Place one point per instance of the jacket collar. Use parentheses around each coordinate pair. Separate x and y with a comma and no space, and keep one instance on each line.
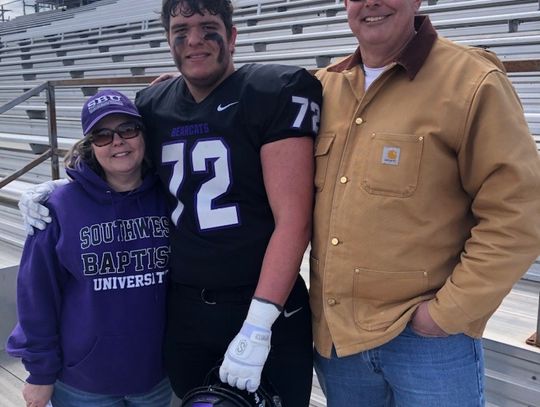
(413,56)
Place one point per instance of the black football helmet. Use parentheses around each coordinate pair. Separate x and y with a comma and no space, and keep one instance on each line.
(218,394)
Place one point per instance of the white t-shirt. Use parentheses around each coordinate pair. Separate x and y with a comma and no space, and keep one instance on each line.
(372,74)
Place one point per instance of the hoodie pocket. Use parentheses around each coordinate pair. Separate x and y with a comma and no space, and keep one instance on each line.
(112,362)
(112,351)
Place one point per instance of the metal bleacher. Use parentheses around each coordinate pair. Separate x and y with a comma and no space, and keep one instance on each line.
(22,23)
(105,42)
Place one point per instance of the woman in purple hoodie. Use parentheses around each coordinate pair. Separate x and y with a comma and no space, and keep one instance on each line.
(91,287)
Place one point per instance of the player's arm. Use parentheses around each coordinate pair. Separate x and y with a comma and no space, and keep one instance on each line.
(288,176)
(291,121)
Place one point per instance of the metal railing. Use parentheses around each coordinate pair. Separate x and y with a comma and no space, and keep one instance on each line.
(534,339)
(53,152)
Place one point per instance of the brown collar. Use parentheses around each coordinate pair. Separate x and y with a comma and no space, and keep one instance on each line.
(413,56)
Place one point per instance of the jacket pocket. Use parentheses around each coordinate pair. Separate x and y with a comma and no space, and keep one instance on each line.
(392,166)
(322,153)
(380,298)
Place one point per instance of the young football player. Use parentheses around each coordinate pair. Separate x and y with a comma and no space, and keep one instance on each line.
(234,148)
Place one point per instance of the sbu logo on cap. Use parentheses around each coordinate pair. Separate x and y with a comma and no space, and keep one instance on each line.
(102,101)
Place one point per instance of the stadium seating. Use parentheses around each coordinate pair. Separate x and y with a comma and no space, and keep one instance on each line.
(22,23)
(108,40)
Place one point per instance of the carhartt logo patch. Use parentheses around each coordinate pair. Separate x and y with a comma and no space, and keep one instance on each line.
(390,155)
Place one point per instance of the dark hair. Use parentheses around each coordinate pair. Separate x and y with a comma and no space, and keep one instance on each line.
(187,8)
(82,151)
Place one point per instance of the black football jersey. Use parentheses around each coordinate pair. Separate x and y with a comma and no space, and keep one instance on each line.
(208,156)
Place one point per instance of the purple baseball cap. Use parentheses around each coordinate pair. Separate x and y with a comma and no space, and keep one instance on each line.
(104,103)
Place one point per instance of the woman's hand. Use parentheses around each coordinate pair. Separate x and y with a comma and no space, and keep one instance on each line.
(37,395)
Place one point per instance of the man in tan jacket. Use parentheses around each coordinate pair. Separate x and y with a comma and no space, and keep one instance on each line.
(427,212)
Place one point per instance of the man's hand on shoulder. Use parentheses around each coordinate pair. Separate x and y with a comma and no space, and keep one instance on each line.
(164,77)
(34,214)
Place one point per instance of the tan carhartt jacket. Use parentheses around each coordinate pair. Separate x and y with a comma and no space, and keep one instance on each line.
(428,187)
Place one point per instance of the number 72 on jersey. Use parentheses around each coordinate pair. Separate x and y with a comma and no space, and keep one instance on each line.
(216,152)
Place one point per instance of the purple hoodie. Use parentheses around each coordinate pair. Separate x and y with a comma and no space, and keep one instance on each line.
(91,289)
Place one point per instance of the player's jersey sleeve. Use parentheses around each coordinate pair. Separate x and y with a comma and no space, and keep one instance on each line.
(286,102)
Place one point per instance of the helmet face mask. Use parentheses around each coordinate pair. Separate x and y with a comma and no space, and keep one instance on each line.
(220,394)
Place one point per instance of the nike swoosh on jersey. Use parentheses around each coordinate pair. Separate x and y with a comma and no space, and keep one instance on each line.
(222,108)
(288,314)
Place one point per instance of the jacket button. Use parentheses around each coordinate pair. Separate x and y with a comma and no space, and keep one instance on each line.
(359,120)
(331,301)
(344,180)
(335,241)
(357,270)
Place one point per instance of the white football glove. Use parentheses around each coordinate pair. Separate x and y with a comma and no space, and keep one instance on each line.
(34,214)
(245,357)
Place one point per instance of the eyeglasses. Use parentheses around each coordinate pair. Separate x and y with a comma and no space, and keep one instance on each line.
(103,137)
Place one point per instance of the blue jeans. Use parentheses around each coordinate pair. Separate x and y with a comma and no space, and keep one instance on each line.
(409,371)
(67,396)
